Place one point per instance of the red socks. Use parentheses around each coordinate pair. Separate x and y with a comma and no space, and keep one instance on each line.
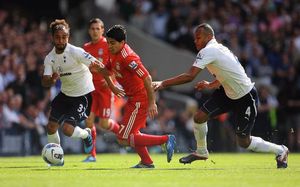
(146,140)
(94,135)
(113,126)
(142,151)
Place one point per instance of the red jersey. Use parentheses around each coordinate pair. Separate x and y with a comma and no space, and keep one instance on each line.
(129,70)
(100,51)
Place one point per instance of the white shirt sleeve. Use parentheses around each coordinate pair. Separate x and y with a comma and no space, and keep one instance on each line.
(48,66)
(203,58)
(83,56)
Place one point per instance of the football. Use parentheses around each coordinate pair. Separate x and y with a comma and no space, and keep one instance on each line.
(53,154)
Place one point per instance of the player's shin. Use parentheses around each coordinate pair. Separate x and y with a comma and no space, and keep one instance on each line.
(94,135)
(79,133)
(259,145)
(200,132)
(142,151)
(113,126)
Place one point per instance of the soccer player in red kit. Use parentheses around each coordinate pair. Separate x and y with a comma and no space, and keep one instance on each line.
(102,96)
(136,82)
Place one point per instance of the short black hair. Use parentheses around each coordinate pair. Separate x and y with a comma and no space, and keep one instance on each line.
(117,32)
(206,28)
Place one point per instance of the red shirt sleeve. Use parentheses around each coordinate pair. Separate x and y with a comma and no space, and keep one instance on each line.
(134,65)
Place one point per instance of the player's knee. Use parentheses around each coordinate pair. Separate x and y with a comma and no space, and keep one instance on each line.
(200,117)
(67,129)
(243,141)
(51,127)
(104,124)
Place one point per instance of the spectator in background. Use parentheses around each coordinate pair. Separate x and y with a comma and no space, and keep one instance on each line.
(289,109)
(266,120)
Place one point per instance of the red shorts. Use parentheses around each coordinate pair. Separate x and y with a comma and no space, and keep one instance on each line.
(134,118)
(102,102)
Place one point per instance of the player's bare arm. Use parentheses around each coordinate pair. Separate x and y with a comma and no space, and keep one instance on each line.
(177,80)
(48,80)
(152,109)
(207,85)
(99,66)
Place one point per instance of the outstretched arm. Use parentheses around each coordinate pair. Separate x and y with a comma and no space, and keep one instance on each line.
(99,67)
(177,80)
(207,85)
(48,80)
(152,109)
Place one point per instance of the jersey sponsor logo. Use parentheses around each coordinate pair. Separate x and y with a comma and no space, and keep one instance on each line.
(65,74)
(133,65)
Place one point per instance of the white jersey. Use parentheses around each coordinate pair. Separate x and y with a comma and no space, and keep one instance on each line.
(224,65)
(72,66)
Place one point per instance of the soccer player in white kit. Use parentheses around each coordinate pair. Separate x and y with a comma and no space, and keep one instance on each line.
(71,65)
(234,92)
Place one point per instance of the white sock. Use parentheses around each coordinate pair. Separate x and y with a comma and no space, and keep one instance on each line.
(53,138)
(79,133)
(200,132)
(259,145)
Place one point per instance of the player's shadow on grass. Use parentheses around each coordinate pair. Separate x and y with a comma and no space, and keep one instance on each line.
(149,169)
(18,167)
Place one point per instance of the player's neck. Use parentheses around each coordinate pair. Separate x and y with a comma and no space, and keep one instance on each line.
(96,40)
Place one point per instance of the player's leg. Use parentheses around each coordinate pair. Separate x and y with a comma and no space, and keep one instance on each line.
(89,122)
(134,119)
(214,106)
(58,107)
(246,111)
(79,109)
(106,100)
(52,132)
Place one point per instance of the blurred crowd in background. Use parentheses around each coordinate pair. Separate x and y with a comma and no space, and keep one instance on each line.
(263,34)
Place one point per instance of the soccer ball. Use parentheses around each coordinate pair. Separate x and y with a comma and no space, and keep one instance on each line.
(53,154)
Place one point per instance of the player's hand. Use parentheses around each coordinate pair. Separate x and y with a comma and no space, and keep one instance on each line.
(157,85)
(202,85)
(95,66)
(118,91)
(152,110)
(55,77)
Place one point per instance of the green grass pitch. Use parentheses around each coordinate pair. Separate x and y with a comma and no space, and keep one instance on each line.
(220,170)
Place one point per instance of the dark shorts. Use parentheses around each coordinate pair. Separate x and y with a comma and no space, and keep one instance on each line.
(70,109)
(244,109)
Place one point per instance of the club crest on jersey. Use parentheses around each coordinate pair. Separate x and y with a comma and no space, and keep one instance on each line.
(133,65)
(59,69)
(100,52)
(199,56)
(118,66)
